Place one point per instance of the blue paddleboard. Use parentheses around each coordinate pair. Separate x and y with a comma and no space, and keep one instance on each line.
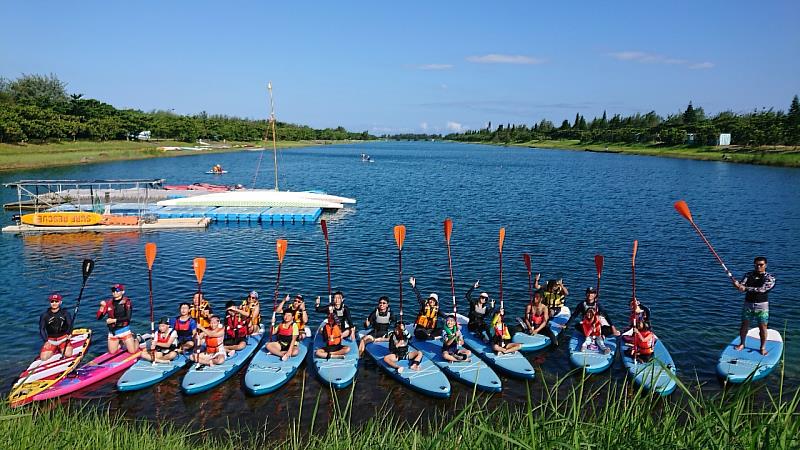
(532,343)
(737,366)
(511,364)
(592,359)
(656,375)
(267,372)
(337,372)
(202,378)
(144,373)
(428,380)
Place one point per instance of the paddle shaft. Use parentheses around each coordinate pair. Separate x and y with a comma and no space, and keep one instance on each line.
(86,269)
(275,299)
(400,279)
(452,281)
(714,252)
(152,314)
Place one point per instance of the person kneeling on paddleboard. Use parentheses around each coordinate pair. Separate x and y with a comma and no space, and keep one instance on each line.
(55,325)
(342,313)
(478,312)
(536,320)
(427,319)
(592,330)
(501,335)
(554,294)
(644,342)
(379,320)
(298,310)
(164,345)
(398,349)
(214,352)
(286,334)
(236,331)
(452,340)
(332,334)
(200,310)
(756,286)
(591,302)
(118,310)
(185,327)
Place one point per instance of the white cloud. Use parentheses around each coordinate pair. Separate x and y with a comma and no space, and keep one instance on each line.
(702,65)
(424,126)
(654,58)
(496,58)
(454,127)
(435,66)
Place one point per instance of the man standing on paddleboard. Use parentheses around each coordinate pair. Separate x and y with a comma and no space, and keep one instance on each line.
(756,285)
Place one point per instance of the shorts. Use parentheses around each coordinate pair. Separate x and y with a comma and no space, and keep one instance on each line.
(756,312)
(377,335)
(231,341)
(55,344)
(401,355)
(284,345)
(166,351)
(120,334)
(332,348)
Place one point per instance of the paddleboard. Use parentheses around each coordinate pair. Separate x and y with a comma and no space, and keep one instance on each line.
(737,366)
(96,370)
(535,342)
(656,375)
(337,372)
(145,373)
(511,364)
(211,172)
(267,372)
(201,378)
(428,380)
(474,373)
(41,375)
(592,360)
(62,219)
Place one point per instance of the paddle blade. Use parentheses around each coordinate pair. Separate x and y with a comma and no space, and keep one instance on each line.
(150,254)
(281,245)
(448,229)
(199,265)
(399,235)
(87,268)
(598,263)
(502,238)
(324,224)
(527,258)
(635,249)
(683,209)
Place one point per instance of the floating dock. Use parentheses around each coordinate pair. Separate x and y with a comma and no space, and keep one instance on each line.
(160,224)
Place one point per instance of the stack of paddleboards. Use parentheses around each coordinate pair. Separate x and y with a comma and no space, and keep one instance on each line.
(656,375)
(737,366)
(337,372)
(267,372)
(532,343)
(201,378)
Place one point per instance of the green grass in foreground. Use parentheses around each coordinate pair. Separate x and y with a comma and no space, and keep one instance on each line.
(613,415)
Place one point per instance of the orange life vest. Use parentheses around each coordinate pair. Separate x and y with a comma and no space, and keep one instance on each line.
(213,344)
(427,317)
(645,344)
(333,333)
(194,313)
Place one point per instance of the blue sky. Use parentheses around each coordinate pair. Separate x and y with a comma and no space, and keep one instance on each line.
(412,66)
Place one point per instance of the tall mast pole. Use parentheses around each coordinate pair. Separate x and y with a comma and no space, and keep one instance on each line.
(272,120)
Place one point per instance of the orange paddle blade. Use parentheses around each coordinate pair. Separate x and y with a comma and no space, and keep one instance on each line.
(683,209)
(324,224)
(150,254)
(448,229)
(502,238)
(399,235)
(281,245)
(598,263)
(635,249)
(527,258)
(199,265)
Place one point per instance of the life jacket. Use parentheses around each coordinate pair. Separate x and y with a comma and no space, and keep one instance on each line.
(501,330)
(194,313)
(297,315)
(56,324)
(755,280)
(183,329)
(535,319)
(592,328)
(235,327)
(333,333)
(213,344)
(646,344)
(252,319)
(399,345)
(381,325)
(164,338)
(553,300)
(285,333)
(477,313)
(427,316)
(112,309)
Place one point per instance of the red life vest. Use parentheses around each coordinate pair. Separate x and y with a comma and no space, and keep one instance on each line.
(591,328)
(108,310)
(536,320)
(235,326)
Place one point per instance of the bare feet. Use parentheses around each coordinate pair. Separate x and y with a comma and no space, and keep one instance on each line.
(764,351)
(739,347)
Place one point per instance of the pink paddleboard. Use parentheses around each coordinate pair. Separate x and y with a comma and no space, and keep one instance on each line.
(96,370)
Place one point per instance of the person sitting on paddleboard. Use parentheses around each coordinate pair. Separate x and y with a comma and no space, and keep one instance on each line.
(501,335)
(592,330)
(117,310)
(217,168)
(428,317)
(214,352)
(298,310)
(591,302)
(398,349)
(342,314)
(235,329)
(286,336)
(478,312)
(332,336)
(200,310)
(379,320)
(185,327)
(644,342)
(55,325)
(164,345)
(536,319)
(756,286)
(453,342)
(251,309)
(639,313)
(554,294)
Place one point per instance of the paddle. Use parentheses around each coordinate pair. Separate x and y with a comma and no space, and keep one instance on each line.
(399,238)
(500,245)
(150,256)
(280,247)
(86,268)
(683,209)
(324,226)
(527,258)
(199,265)
(598,263)
(448,231)
(633,299)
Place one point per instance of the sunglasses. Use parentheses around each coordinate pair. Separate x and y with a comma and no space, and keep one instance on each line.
(55,301)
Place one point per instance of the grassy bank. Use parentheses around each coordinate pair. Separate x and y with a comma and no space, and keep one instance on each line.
(613,415)
(769,156)
(34,156)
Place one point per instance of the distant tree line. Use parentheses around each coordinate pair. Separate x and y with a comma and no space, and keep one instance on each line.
(412,136)
(757,128)
(38,108)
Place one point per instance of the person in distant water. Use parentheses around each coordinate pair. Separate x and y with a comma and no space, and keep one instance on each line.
(756,286)
(398,349)
(299,313)
(164,345)
(644,343)
(213,336)
(501,335)
(235,329)
(286,333)
(379,320)
(554,294)
(453,342)
(251,309)
(55,326)
(342,313)
(427,326)
(185,328)
(537,319)
(592,330)
(591,302)
(200,310)
(117,310)
(478,312)
(332,335)
(217,169)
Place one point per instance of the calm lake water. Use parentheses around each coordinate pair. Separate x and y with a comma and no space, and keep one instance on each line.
(562,207)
